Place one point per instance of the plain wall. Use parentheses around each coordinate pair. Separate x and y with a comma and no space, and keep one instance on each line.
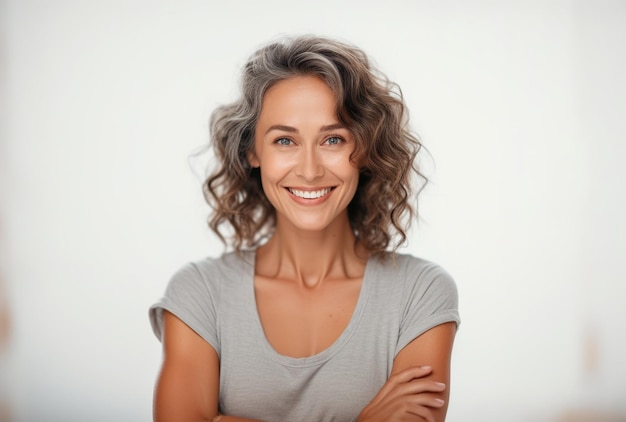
(520,104)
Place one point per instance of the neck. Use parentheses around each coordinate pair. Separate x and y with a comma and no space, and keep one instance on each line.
(310,258)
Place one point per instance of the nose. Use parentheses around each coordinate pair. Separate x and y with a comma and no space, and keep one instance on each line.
(309,165)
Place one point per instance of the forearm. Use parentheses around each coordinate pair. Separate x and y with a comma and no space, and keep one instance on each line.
(223,418)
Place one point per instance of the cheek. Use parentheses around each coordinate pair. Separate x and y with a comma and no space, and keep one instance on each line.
(343,167)
(273,168)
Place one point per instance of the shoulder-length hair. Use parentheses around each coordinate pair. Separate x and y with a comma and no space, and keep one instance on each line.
(368,105)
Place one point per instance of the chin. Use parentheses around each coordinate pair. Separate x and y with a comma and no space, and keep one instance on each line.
(309,227)
(314,223)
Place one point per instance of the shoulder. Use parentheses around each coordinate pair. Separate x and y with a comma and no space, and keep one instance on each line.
(201,283)
(412,269)
(213,270)
(429,296)
(419,280)
(195,292)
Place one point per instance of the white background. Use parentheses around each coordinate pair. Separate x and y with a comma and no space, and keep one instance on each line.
(521,104)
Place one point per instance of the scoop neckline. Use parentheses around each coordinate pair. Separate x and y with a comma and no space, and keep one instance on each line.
(325,354)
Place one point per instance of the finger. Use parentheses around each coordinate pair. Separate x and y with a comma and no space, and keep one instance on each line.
(400,378)
(424,413)
(426,407)
(412,372)
(412,395)
(420,400)
(401,407)
(419,387)
(428,400)
(408,389)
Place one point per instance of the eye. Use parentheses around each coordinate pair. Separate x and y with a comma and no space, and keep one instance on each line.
(283,141)
(334,140)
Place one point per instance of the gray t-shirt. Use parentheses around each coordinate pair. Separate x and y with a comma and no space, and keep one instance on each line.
(398,301)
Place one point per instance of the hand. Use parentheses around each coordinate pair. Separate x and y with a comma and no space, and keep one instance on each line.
(404,397)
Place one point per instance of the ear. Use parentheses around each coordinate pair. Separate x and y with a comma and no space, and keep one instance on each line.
(253,160)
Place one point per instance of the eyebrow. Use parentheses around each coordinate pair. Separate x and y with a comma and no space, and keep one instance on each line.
(292,129)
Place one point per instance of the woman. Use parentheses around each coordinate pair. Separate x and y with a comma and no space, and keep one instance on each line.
(312,317)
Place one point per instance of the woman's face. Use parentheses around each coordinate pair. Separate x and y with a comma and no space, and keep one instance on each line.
(304,154)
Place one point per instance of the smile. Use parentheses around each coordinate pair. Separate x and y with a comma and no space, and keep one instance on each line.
(309,194)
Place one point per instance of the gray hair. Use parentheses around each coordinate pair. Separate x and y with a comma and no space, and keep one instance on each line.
(368,105)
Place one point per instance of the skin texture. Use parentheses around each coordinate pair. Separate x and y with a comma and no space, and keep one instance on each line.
(417,389)
(295,149)
(305,300)
(300,144)
(188,384)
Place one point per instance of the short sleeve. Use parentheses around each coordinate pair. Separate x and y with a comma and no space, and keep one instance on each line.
(193,298)
(431,299)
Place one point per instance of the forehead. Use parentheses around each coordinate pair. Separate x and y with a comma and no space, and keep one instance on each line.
(298,94)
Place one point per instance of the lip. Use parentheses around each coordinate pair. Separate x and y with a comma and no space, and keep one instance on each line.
(310,201)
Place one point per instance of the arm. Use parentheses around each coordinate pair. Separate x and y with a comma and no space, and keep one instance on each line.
(433,348)
(412,389)
(188,384)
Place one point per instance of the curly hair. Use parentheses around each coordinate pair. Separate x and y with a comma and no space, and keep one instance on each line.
(368,105)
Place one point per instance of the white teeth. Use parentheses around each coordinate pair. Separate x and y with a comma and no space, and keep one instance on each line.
(307,194)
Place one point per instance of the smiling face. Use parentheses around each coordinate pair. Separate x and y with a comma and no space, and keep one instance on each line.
(304,155)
